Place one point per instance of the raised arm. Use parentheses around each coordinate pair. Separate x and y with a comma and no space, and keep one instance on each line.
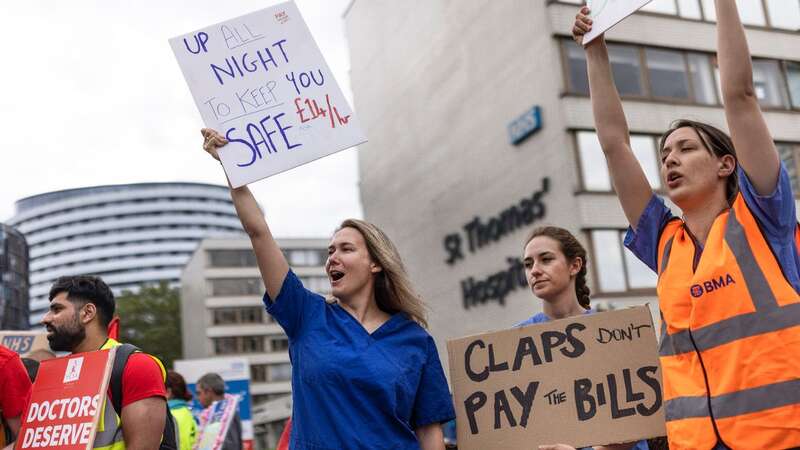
(627,176)
(755,149)
(271,262)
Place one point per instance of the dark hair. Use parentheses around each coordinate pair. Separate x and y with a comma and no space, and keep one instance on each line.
(571,249)
(213,382)
(85,289)
(716,141)
(177,385)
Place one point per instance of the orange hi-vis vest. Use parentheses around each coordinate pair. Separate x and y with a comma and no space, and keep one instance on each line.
(730,338)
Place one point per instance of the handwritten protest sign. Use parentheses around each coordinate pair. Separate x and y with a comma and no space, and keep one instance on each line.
(24,342)
(261,81)
(588,380)
(66,402)
(607,13)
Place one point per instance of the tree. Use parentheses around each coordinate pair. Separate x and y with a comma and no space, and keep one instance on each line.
(151,320)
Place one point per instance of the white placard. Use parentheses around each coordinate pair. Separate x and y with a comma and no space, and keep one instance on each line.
(262,82)
(607,13)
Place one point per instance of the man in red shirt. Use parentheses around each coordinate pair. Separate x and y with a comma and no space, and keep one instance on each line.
(81,308)
(15,391)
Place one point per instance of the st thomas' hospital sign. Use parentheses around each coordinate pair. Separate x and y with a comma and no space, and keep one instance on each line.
(479,233)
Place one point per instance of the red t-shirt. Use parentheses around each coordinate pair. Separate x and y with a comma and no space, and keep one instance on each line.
(141,379)
(15,386)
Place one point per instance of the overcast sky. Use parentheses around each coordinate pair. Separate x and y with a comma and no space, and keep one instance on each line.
(92,95)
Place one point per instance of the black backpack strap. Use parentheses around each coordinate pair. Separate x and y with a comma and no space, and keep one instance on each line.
(124,352)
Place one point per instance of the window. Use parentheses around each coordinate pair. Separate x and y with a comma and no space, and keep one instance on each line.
(661,6)
(306,257)
(626,69)
(231,258)
(279,344)
(793,77)
(594,171)
(703,84)
(224,345)
(252,344)
(689,9)
(224,316)
(752,12)
(784,14)
(280,372)
(258,373)
(790,155)
(236,286)
(667,72)
(616,268)
(316,284)
(576,68)
(769,84)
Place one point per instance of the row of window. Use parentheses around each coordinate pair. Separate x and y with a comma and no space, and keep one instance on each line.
(230,345)
(117,204)
(781,14)
(114,259)
(122,245)
(676,75)
(146,215)
(595,176)
(230,287)
(183,227)
(264,373)
(242,315)
(246,258)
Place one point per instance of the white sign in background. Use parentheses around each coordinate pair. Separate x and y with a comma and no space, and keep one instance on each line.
(607,13)
(262,82)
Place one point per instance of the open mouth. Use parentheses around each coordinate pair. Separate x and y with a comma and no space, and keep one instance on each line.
(335,275)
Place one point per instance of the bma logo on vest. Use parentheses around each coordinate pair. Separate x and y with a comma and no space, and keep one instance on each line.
(711,285)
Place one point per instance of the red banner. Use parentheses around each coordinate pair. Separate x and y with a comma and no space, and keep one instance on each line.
(66,402)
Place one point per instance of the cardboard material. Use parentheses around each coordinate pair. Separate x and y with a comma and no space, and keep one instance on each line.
(588,380)
(261,81)
(66,402)
(24,342)
(607,13)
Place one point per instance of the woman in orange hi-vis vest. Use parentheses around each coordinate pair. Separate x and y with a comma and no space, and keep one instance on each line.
(728,269)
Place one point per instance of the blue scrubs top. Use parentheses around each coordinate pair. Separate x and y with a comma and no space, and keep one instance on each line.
(542,318)
(352,389)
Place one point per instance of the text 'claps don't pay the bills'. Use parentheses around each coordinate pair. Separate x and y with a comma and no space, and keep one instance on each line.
(588,380)
(262,82)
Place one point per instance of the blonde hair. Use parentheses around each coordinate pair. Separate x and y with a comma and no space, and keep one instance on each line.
(393,290)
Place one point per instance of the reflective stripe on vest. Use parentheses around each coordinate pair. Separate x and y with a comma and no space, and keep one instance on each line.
(730,326)
(109,430)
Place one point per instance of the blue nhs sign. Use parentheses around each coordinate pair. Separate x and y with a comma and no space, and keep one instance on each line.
(525,125)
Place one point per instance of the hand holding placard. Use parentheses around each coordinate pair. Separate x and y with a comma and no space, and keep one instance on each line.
(607,13)
(261,81)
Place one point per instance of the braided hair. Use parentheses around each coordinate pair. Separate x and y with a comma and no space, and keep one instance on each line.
(572,249)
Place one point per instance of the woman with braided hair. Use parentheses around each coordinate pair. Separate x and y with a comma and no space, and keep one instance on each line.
(555,266)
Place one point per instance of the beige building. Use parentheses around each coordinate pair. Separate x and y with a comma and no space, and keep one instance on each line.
(448,91)
(223,314)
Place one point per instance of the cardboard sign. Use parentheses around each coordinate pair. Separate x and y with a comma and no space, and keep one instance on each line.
(261,81)
(66,402)
(24,342)
(236,374)
(589,380)
(607,13)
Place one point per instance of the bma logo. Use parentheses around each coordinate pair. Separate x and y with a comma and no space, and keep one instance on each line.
(711,285)
(73,369)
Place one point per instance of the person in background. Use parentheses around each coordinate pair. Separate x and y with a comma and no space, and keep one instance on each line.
(177,397)
(728,268)
(211,389)
(364,370)
(15,393)
(555,267)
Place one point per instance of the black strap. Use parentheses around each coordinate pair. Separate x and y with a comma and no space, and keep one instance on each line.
(124,352)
